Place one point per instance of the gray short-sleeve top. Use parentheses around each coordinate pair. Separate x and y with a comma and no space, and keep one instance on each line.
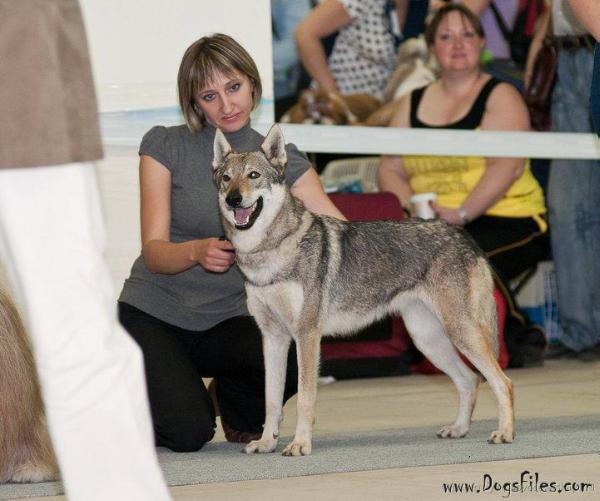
(195,299)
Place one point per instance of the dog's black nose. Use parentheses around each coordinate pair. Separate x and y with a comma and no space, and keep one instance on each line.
(234,199)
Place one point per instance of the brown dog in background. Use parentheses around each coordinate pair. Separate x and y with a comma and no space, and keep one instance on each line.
(26,454)
(415,67)
(316,106)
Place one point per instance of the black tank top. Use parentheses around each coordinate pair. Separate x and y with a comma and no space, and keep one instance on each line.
(470,121)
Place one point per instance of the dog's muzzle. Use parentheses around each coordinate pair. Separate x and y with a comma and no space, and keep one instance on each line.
(244,216)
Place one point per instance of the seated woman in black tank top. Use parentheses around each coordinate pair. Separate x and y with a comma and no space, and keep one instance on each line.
(497,200)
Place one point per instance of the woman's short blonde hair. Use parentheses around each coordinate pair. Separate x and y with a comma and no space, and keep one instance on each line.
(207,56)
(442,12)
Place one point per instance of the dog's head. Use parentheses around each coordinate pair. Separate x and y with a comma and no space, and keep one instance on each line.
(248,182)
(328,108)
(316,106)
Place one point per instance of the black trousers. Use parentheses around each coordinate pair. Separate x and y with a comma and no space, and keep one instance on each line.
(176,360)
(513,245)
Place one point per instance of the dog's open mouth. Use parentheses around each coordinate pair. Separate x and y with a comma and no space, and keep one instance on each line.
(245,217)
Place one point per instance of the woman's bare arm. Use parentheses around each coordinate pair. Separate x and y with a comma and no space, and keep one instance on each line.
(309,190)
(160,254)
(391,175)
(325,19)
(588,12)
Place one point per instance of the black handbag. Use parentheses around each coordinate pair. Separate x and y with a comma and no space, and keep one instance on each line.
(538,94)
(519,39)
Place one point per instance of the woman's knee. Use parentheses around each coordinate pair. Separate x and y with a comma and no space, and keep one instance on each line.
(189,436)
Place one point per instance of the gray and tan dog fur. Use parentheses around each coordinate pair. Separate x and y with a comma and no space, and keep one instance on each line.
(308,275)
(26,454)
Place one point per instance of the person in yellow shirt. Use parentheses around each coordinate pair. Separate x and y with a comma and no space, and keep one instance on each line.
(497,200)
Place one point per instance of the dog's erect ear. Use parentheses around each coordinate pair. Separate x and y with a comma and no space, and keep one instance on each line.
(274,148)
(221,149)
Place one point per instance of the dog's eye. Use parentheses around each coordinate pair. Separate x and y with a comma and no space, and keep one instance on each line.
(226,178)
(254,175)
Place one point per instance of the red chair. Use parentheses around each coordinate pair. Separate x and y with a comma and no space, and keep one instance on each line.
(381,206)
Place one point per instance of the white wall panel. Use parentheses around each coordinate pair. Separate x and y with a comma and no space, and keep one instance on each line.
(136,45)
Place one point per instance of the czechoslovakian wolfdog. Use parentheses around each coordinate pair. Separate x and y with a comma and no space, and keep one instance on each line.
(25,451)
(308,275)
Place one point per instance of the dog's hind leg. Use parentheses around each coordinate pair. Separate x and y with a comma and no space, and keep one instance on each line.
(275,349)
(308,349)
(431,339)
(477,349)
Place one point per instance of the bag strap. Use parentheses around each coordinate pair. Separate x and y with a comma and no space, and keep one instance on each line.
(506,33)
(535,8)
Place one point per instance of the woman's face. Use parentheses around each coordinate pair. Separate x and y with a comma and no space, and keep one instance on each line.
(456,44)
(227,101)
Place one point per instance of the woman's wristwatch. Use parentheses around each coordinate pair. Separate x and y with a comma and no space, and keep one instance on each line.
(464,216)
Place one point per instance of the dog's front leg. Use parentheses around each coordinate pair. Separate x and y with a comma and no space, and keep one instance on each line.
(308,349)
(275,350)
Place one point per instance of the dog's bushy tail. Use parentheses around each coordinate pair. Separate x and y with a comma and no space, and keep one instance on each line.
(25,451)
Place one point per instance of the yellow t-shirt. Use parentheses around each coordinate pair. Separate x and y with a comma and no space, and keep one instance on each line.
(453,178)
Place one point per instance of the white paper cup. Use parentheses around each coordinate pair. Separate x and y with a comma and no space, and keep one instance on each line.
(420,207)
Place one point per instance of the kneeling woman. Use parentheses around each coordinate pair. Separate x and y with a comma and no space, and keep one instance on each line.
(184,302)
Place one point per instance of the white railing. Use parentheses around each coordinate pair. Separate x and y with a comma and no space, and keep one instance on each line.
(126,128)
(394,141)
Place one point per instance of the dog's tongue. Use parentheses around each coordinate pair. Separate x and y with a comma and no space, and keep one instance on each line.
(242,215)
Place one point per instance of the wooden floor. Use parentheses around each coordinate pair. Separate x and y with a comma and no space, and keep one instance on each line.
(560,388)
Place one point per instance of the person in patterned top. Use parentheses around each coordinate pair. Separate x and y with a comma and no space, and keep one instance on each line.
(364,52)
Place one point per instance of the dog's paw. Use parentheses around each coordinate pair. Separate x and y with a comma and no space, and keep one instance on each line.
(30,473)
(453,431)
(298,449)
(501,437)
(260,446)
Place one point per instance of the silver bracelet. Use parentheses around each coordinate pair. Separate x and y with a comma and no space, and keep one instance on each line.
(462,213)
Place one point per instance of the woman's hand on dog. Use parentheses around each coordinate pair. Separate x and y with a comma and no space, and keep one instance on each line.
(447,214)
(214,254)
